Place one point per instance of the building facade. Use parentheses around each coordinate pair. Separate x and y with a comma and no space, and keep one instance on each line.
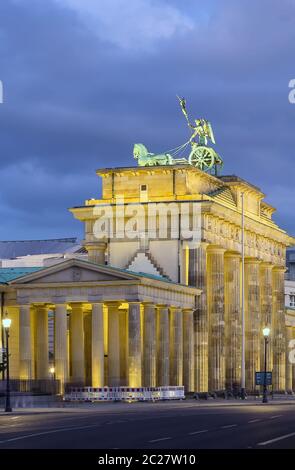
(211,262)
(111,327)
(159,300)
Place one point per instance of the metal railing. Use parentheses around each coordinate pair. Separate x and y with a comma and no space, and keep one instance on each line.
(33,386)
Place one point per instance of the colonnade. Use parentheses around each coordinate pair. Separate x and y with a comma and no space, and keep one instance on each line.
(217,320)
(126,344)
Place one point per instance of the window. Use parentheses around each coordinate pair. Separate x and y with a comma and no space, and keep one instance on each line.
(292,300)
(143,193)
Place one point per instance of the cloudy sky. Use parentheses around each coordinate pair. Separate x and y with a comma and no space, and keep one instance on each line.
(85,79)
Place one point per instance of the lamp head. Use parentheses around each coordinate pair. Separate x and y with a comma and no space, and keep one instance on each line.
(266,332)
(52,370)
(6,322)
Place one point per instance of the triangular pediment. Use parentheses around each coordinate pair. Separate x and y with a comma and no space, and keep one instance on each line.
(74,271)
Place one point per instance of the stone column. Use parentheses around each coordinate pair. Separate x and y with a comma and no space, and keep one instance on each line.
(188,350)
(77,345)
(97,345)
(113,345)
(123,327)
(162,346)
(278,329)
(266,312)
(252,321)
(149,345)
(176,347)
(198,278)
(61,345)
(134,345)
(292,356)
(216,318)
(289,365)
(25,338)
(33,321)
(42,353)
(87,323)
(96,252)
(233,321)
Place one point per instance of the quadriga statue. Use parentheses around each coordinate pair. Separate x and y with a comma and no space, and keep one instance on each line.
(145,158)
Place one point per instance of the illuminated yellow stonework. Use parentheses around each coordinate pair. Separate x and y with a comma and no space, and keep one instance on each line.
(214,266)
(179,322)
(107,326)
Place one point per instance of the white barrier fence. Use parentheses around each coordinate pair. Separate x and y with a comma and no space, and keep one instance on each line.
(90,394)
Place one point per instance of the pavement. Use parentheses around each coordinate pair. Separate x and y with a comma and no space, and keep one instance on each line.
(163,425)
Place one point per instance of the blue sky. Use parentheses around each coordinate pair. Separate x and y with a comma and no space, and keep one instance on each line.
(86,79)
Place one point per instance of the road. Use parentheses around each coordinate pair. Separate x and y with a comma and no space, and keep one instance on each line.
(178,425)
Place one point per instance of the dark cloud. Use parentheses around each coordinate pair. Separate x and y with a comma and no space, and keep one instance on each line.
(77,97)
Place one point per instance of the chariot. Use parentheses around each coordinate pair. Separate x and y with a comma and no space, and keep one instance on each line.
(201,155)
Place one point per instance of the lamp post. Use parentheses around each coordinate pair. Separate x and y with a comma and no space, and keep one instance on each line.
(243,364)
(53,383)
(52,372)
(6,322)
(265,332)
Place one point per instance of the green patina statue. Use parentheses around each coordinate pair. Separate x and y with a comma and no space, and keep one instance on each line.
(201,155)
(145,158)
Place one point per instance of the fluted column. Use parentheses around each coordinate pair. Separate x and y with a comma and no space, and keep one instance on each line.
(278,328)
(176,347)
(162,346)
(123,327)
(42,353)
(77,344)
(61,345)
(266,312)
(216,318)
(198,278)
(149,345)
(25,338)
(188,350)
(113,345)
(97,345)
(134,345)
(233,320)
(289,365)
(96,252)
(292,358)
(252,320)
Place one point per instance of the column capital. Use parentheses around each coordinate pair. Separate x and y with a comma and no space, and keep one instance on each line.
(174,307)
(162,306)
(266,265)
(252,260)
(194,245)
(97,303)
(97,246)
(147,305)
(76,305)
(215,249)
(187,310)
(282,269)
(113,304)
(232,254)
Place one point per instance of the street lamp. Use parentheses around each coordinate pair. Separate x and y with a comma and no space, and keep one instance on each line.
(52,372)
(266,332)
(6,322)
